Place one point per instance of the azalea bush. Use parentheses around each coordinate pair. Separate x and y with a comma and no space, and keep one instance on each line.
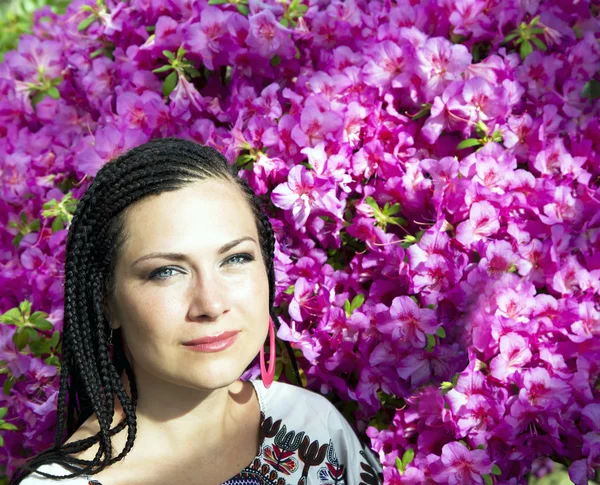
(431,171)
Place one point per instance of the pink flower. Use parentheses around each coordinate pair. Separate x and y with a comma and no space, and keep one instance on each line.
(209,37)
(463,466)
(514,354)
(268,37)
(482,222)
(302,194)
(408,322)
(439,63)
(315,126)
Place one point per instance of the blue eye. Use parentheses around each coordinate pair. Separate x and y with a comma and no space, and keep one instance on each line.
(155,273)
(236,259)
(243,257)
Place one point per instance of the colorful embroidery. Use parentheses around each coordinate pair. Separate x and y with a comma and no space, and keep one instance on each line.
(256,474)
(333,473)
(282,460)
(288,450)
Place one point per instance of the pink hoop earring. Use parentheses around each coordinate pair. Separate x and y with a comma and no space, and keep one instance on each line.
(267,376)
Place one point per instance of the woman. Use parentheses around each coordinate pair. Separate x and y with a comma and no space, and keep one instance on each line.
(169,289)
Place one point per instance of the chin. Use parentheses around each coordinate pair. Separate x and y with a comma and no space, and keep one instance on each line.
(214,377)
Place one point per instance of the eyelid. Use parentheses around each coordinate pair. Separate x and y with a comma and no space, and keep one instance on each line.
(153,275)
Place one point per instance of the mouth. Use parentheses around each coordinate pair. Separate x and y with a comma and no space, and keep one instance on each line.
(213,343)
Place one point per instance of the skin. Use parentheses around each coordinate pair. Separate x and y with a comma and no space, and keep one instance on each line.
(188,397)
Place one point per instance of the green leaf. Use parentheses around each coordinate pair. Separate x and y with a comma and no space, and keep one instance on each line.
(3,412)
(8,426)
(12,316)
(8,385)
(289,290)
(170,83)
(243,9)
(480,447)
(1,440)
(408,456)
(278,369)
(169,55)
(54,339)
(511,36)
(468,143)
(181,52)
(487,479)
(32,334)
(20,338)
(57,224)
(446,386)
(53,93)
(285,22)
(25,307)
(217,2)
(430,342)
(38,97)
(591,90)
(163,68)
(97,52)
(539,44)
(496,470)
(441,333)
(193,72)
(357,301)
(275,60)
(348,308)
(43,325)
(52,360)
(371,202)
(86,22)
(526,49)
(399,465)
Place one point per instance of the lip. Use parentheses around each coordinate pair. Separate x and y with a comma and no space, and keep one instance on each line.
(222,342)
(212,338)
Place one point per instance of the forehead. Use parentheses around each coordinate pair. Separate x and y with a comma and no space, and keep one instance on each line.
(205,214)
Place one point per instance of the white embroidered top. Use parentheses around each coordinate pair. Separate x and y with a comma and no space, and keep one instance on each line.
(305,441)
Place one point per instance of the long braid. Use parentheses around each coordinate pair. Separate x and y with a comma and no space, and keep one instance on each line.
(88,374)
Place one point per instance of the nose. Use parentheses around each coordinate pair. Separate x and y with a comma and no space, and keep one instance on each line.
(209,298)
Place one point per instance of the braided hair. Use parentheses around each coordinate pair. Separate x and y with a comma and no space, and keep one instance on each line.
(90,373)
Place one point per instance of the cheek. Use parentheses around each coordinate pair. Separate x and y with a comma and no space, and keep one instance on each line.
(146,315)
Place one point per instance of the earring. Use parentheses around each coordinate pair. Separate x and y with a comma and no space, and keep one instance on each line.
(267,376)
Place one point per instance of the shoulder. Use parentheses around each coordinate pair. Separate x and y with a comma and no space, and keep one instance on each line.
(287,399)
(56,470)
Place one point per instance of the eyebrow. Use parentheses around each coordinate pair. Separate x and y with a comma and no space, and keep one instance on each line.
(184,257)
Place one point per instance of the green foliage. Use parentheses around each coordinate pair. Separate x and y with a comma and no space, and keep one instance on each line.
(407,458)
(62,211)
(484,138)
(387,214)
(356,303)
(16,19)
(27,333)
(24,226)
(525,36)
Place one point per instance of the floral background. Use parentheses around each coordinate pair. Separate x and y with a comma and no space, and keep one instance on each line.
(431,170)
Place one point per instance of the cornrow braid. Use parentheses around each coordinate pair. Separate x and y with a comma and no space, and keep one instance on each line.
(89,376)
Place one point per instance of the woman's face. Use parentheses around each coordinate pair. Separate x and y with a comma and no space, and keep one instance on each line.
(160,302)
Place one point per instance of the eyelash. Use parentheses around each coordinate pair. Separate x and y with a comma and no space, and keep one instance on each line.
(153,276)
